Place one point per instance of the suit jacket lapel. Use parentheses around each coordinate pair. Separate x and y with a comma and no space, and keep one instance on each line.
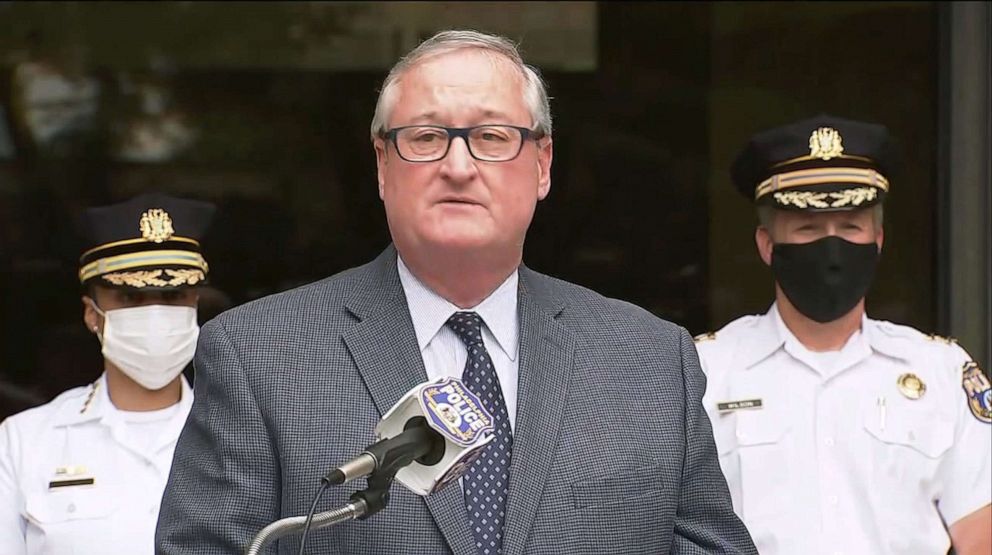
(384,347)
(546,352)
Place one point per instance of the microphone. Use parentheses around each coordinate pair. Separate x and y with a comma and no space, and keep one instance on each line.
(427,440)
(431,435)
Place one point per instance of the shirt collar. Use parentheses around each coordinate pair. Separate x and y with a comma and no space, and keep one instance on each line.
(856,348)
(429,311)
(787,338)
(96,405)
(765,339)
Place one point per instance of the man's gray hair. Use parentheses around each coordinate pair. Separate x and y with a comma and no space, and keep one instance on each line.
(535,91)
(766,216)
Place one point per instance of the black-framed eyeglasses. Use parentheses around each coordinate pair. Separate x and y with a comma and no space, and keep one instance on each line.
(489,143)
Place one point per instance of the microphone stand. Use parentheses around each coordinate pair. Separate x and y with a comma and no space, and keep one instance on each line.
(294,525)
(364,504)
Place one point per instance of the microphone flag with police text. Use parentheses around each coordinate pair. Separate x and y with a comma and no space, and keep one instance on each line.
(442,423)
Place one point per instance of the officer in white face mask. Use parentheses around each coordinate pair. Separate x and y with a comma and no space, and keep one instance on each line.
(84,474)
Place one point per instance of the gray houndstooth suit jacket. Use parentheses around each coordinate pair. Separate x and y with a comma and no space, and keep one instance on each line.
(613,452)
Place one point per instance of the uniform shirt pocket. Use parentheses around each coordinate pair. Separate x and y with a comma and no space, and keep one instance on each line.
(762,450)
(913,429)
(905,450)
(63,519)
(61,506)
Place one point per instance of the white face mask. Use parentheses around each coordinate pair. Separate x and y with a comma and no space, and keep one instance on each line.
(150,344)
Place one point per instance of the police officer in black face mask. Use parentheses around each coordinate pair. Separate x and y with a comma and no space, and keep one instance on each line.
(818,186)
(836,432)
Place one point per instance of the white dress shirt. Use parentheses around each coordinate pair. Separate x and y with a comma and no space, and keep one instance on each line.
(829,454)
(445,354)
(78,476)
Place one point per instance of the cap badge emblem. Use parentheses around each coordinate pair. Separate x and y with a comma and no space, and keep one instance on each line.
(825,143)
(911,386)
(156,225)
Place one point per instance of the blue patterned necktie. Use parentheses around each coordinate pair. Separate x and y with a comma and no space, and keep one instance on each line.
(487,479)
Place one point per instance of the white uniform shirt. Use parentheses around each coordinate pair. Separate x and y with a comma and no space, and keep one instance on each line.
(445,354)
(837,459)
(78,476)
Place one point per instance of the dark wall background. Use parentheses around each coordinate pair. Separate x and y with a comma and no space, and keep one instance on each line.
(651,101)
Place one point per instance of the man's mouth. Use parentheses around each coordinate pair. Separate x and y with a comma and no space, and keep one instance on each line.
(458,200)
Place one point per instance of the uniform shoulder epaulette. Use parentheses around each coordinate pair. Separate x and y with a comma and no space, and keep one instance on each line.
(900,331)
(749,320)
(942,339)
(710,335)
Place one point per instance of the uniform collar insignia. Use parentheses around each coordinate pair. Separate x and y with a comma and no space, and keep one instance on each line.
(90,406)
(96,404)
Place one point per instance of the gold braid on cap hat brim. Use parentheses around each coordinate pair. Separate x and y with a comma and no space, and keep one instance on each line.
(820,176)
(108,246)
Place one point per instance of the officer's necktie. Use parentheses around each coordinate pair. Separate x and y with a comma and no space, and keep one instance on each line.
(486,481)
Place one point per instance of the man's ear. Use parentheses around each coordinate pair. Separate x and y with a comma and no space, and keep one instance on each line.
(545,153)
(380,164)
(880,238)
(763,240)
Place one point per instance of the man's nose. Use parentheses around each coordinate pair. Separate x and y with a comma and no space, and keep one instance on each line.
(458,164)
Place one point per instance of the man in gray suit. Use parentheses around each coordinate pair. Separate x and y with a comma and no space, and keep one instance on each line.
(601,442)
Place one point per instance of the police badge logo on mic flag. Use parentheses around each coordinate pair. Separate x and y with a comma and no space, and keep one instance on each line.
(454,412)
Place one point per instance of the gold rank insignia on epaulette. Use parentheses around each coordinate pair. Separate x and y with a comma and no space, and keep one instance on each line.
(704,337)
(942,339)
(979,391)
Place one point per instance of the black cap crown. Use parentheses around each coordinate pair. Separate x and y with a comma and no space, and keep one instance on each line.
(821,163)
(150,241)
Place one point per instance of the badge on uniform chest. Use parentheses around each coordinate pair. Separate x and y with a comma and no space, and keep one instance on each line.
(911,386)
(70,476)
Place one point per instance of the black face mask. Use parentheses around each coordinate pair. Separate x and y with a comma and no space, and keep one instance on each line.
(824,279)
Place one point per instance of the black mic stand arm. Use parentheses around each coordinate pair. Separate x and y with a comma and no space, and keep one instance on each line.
(364,503)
